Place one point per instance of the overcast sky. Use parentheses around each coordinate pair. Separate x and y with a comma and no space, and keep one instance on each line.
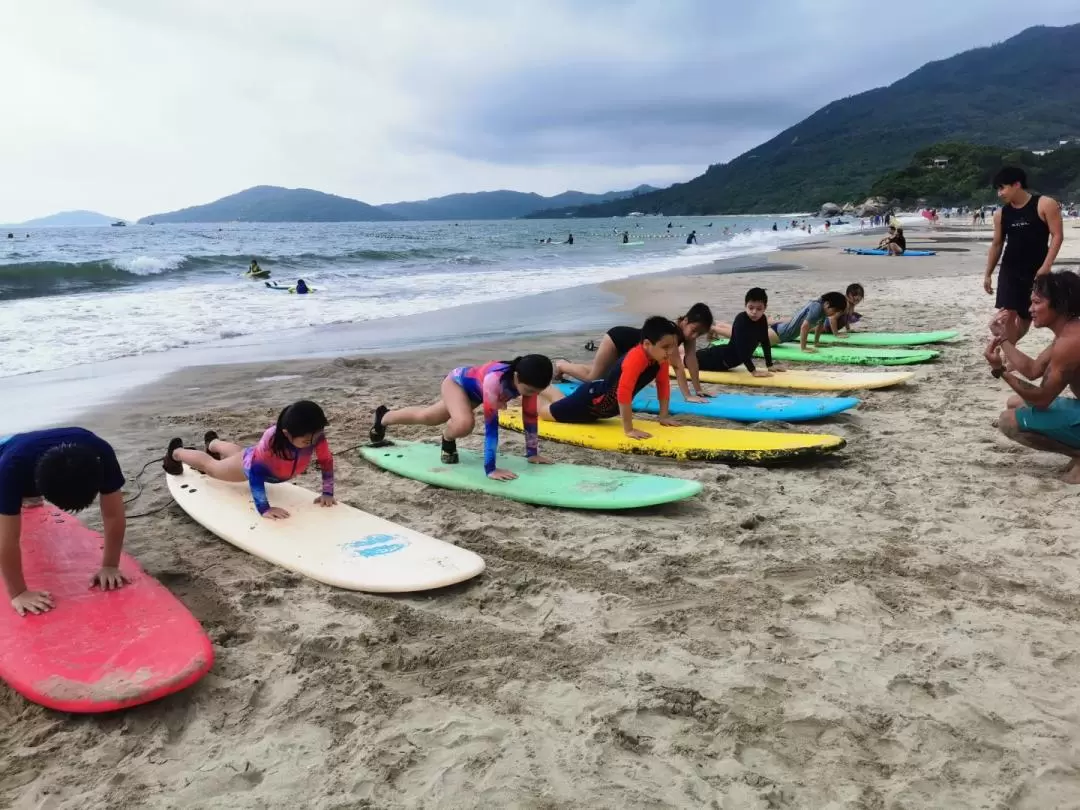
(132,107)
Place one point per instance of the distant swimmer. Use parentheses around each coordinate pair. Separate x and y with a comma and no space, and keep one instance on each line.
(302,287)
(692,238)
(669,224)
(774,227)
(11,236)
(254,271)
(625,237)
(569,239)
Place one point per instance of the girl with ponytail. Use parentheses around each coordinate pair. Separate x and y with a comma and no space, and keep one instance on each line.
(466,388)
(283,453)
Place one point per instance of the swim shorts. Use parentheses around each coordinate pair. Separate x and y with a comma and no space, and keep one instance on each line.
(580,407)
(1060,422)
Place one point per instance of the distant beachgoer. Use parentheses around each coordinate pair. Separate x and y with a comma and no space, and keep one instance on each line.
(302,287)
(255,270)
(1038,416)
(827,226)
(895,242)
(11,236)
(466,388)
(692,238)
(774,227)
(1028,229)
(284,452)
(569,239)
(69,467)
(626,237)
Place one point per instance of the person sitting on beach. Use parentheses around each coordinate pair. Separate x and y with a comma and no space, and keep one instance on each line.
(854,295)
(466,388)
(612,396)
(749,330)
(1037,416)
(813,315)
(68,467)
(620,339)
(283,452)
(894,243)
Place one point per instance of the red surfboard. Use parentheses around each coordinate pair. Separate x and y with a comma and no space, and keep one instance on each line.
(94,651)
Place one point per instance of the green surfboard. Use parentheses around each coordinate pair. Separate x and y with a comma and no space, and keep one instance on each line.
(890,338)
(567,485)
(843,356)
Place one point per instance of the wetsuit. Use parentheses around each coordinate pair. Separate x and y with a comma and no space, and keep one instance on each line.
(746,335)
(485,385)
(600,399)
(813,312)
(627,337)
(20,453)
(262,466)
(1027,241)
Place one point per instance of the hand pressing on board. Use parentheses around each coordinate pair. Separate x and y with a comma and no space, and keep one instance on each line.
(276,513)
(109,578)
(32,602)
(325,500)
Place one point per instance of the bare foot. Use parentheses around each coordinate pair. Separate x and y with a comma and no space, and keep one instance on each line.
(1072,472)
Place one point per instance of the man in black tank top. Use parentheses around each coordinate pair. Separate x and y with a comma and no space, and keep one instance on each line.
(1028,227)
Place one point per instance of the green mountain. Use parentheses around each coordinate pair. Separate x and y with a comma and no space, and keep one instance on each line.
(276,204)
(499,204)
(947,174)
(69,219)
(1021,92)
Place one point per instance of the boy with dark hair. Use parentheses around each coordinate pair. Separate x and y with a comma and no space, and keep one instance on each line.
(1028,230)
(612,396)
(854,295)
(749,330)
(830,307)
(68,467)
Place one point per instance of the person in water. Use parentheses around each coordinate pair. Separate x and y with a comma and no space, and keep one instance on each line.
(625,237)
(813,315)
(255,270)
(69,467)
(749,330)
(697,322)
(1038,416)
(569,239)
(466,388)
(692,238)
(854,295)
(613,395)
(1028,230)
(284,452)
(302,287)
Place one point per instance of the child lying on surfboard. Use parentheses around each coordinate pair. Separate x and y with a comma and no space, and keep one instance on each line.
(613,395)
(749,330)
(283,452)
(813,315)
(465,389)
(854,295)
(696,323)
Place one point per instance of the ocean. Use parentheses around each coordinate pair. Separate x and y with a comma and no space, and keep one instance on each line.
(72,296)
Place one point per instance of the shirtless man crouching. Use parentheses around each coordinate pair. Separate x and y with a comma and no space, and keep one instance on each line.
(1038,416)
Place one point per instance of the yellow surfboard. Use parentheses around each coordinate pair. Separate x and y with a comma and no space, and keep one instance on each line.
(686,442)
(809,380)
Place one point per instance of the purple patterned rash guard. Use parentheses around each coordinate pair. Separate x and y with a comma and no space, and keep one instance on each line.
(263,467)
(484,386)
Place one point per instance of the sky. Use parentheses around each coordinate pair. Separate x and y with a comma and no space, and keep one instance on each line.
(134,107)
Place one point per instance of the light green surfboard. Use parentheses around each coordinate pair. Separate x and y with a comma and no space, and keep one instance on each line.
(567,485)
(843,356)
(890,338)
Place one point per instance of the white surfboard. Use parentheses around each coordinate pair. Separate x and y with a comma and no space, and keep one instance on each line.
(338,545)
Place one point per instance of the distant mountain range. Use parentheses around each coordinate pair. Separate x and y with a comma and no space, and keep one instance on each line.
(1021,93)
(500,204)
(276,204)
(69,219)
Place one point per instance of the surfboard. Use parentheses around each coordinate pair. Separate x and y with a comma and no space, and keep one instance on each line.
(740,407)
(890,338)
(95,652)
(339,545)
(686,442)
(843,356)
(571,486)
(631,244)
(880,252)
(809,380)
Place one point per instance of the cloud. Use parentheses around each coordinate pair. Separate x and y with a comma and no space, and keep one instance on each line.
(134,107)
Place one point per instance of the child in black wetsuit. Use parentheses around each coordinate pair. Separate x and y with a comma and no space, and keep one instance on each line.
(749,330)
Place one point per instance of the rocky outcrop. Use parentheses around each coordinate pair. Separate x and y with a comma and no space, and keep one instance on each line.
(873,207)
(830,209)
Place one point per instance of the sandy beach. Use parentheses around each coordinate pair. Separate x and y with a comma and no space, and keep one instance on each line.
(894,627)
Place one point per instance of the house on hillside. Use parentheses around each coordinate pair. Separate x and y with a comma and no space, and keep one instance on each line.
(939,163)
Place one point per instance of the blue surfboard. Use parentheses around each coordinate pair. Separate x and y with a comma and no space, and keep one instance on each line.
(740,407)
(880,252)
